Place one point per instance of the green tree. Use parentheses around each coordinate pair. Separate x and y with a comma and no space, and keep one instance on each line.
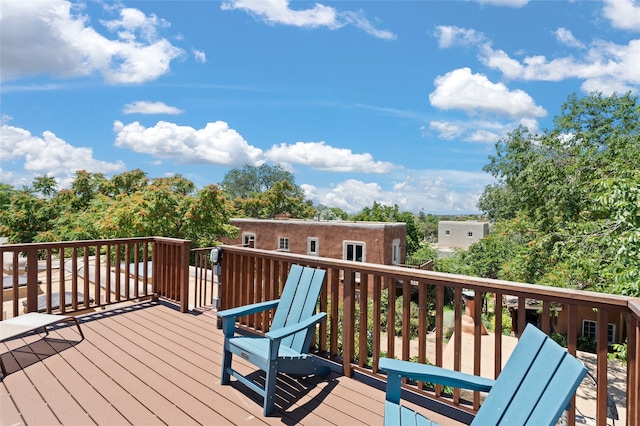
(567,199)
(382,213)
(45,185)
(251,180)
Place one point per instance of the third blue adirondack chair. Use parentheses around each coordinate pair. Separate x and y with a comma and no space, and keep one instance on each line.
(534,388)
(285,348)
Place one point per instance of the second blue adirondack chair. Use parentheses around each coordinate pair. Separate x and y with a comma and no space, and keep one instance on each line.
(534,387)
(285,348)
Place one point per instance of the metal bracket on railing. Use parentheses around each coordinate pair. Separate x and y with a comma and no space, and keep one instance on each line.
(216,258)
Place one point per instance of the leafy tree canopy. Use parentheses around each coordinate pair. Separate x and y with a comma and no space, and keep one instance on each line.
(265,191)
(382,213)
(567,202)
(128,205)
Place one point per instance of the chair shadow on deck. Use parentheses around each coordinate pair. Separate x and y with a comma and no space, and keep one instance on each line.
(17,359)
(291,390)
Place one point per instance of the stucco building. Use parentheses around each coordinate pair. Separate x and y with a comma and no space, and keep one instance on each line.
(461,234)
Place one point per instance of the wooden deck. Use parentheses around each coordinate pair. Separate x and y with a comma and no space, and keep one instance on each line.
(148,364)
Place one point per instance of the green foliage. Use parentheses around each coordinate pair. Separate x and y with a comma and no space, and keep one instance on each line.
(382,213)
(128,205)
(566,208)
(264,192)
(619,352)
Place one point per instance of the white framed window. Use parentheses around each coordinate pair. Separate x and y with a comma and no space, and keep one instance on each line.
(395,251)
(470,234)
(354,251)
(447,232)
(590,329)
(283,244)
(248,239)
(312,246)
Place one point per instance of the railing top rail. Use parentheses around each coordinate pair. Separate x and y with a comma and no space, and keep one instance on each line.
(76,243)
(452,280)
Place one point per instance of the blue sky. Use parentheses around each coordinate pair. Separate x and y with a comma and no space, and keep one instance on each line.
(399,102)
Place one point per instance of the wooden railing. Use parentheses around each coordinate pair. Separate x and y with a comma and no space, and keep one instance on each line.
(68,277)
(355,336)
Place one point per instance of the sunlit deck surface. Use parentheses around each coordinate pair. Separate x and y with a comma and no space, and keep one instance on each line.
(148,364)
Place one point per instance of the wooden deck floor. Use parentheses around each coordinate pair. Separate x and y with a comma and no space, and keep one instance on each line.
(148,364)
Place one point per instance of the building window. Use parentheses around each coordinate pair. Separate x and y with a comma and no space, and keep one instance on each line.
(354,251)
(395,251)
(248,240)
(447,232)
(312,246)
(283,244)
(470,234)
(590,328)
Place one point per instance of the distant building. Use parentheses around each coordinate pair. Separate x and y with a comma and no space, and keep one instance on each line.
(374,242)
(460,234)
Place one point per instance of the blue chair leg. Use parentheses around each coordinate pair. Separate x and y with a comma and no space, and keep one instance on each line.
(225,378)
(270,388)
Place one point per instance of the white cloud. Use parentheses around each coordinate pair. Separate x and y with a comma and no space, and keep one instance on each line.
(444,191)
(49,155)
(450,36)
(351,195)
(216,143)
(200,56)
(460,89)
(567,38)
(279,12)
(623,14)
(606,67)
(52,37)
(446,129)
(148,107)
(321,156)
(479,131)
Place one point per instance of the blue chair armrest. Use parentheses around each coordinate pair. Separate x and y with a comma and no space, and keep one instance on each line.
(229,316)
(283,332)
(248,309)
(433,374)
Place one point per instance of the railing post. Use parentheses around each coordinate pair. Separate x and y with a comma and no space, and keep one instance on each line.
(32,279)
(348,319)
(184,276)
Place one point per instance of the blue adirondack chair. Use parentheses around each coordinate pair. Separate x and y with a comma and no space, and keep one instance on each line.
(534,387)
(285,348)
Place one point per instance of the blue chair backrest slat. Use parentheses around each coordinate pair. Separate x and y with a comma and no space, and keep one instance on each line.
(286,298)
(535,385)
(536,382)
(298,302)
(569,375)
(511,377)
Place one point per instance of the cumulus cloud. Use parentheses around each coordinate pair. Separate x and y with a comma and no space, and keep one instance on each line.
(623,14)
(450,36)
(49,155)
(567,38)
(445,191)
(52,37)
(216,143)
(279,12)
(320,156)
(148,107)
(352,195)
(460,89)
(605,66)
